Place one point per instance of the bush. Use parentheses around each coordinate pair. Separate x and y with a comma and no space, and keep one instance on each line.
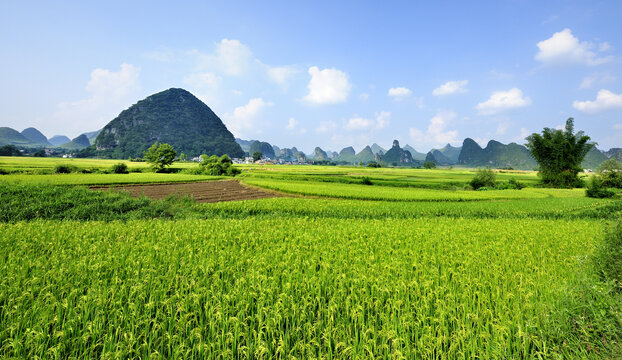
(483,178)
(366,181)
(120,168)
(610,172)
(64,169)
(595,189)
(373,164)
(608,255)
(429,165)
(213,165)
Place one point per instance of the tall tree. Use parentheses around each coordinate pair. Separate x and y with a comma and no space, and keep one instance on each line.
(559,154)
(160,155)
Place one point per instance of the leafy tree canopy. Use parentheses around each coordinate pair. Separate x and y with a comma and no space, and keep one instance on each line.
(160,155)
(559,154)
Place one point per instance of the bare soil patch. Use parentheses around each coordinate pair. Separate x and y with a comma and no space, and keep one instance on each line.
(205,192)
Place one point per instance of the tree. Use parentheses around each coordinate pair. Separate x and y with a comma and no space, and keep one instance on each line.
(484,178)
(559,154)
(257,155)
(183,157)
(429,165)
(213,165)
(160,155)
(39,153)
(610,172)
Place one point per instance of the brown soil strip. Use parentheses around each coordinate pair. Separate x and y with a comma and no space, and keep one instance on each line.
(205,192)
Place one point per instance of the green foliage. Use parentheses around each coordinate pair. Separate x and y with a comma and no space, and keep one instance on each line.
(608,254)
(39,153)
(366,181)
(120,168)
(217,166)
(64,169)
(559,154)
(183,157)
(595,189)
(483,178)
(175,117)
(373,164)
(610,172)
(160,156)
(429,165)
(10,150)
(262,147)
(257,155)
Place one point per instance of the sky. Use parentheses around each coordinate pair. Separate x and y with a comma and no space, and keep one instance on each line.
(321,73)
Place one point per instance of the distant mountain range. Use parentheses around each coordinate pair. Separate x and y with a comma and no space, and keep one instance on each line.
(177,117)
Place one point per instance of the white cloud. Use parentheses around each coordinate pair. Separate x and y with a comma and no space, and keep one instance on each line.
(503,100)
(357,123)
(564,48)
(231,57)
(325,127)
(520,139)
(328,86)
(451,87)
(364,96)
(206,86)
(399,93)
(594,79)
(502,128)
(605,100)
(281,74)
(436,133)
(244,120)
(110,93)
(293,125)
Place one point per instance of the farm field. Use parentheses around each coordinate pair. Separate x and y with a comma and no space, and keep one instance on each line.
(413,265)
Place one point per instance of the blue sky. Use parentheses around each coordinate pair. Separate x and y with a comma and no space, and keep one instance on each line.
(329,74)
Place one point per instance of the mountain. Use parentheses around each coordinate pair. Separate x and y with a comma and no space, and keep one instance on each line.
(10,136)
(377,149)
(397,156)
(366,155)
(35,136)
(291,154)
(319,154)
(78,143)
(245,144)
(415,154)
(57,140)
(451,153)
(593,158)
(173,116)
(266,150)
(346,155)
(92,135)
(496,155)
(614,153)
(437,157)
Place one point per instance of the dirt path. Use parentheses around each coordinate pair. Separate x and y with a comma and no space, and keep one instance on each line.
(210,191)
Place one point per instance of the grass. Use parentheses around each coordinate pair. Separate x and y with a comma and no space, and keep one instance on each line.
(304,288)
(419,269)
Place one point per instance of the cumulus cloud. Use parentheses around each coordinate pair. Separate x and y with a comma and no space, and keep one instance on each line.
(451,87)
(564,48)
(293,125)
(605,100)
(328,86)
(110,93)
(399,93)
(436,133)
(594,79)
(244,119)
(231,57)
(357,123)
(207,86)
(503,100)
(281,74)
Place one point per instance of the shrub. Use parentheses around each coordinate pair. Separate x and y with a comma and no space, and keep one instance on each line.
(160,156)
(366,181)
(429,165)
(483,178)
(595,189)
(610,172)
(64,169)
(213,165)
(120,168)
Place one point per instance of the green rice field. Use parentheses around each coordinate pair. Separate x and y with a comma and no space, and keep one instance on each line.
(412,266)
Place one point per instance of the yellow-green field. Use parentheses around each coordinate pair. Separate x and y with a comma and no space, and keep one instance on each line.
(411,266)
